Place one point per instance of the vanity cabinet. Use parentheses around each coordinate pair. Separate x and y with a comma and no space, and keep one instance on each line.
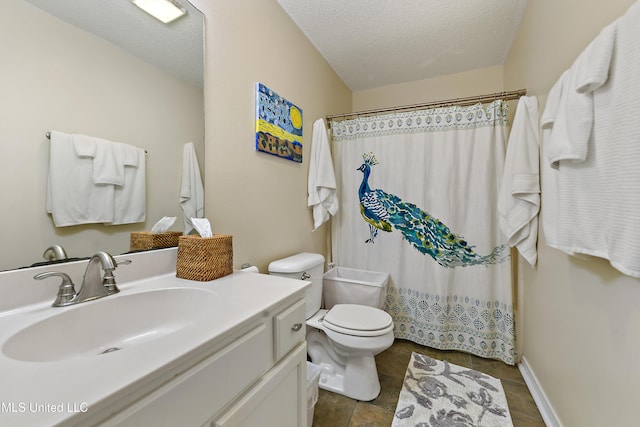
(254,377)
(226,352)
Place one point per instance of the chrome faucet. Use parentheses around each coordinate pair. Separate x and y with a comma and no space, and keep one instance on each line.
(94,285)
(57,252)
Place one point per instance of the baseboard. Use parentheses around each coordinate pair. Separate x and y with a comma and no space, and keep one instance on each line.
(549,416)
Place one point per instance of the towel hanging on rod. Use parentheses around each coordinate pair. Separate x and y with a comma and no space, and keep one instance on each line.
(48,135)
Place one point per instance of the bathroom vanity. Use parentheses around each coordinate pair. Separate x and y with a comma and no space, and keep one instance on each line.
(163,351)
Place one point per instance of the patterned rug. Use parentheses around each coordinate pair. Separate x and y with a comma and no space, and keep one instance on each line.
(440,394)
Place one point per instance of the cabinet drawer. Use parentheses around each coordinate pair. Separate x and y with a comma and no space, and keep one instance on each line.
(289,329)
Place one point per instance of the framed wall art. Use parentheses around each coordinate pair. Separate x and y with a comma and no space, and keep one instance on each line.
(278,125)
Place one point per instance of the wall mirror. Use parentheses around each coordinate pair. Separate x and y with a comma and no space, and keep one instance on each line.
(99,68)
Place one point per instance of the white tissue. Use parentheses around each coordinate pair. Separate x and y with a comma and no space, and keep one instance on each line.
(163,225)
(251,269)
(202,226)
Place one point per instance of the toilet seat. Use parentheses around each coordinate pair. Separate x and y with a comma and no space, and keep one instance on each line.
(358,320)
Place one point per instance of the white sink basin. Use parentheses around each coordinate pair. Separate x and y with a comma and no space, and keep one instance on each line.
(111,324)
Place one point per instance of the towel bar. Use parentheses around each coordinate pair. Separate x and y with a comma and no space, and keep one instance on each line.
(48,135)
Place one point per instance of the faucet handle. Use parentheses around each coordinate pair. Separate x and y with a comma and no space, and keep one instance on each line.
(109,281)
(66,291)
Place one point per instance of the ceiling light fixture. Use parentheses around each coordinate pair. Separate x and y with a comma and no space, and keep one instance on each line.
(163,10)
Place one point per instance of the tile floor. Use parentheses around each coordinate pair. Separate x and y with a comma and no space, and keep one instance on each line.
(334,410)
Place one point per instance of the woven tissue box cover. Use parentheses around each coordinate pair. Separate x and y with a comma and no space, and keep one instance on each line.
(141,240)
(204,258)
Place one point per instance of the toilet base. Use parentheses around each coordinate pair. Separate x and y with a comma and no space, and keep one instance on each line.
(331,380)
(359,384)
(355,377)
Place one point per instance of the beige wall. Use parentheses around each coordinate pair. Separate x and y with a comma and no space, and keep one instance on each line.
(258,198)
(459,85)
(56,77)
(581,317)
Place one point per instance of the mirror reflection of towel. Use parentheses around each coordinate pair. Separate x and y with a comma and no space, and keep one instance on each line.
(123,166)
(109,158)
(72,196)
(92,180)
(130,200)
(191,190)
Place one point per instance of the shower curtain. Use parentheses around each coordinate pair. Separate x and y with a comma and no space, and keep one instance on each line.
(419,192)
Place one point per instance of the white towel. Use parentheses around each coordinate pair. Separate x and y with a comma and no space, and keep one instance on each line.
(620,147)
(72,197)
(130,200)
(595,62)
(570,138)
(84,145)
(519,198)
(108,164)
(597,199)
(550,113)
(548,174)
(109,158)
(579,178)
(322,180)
(191,190)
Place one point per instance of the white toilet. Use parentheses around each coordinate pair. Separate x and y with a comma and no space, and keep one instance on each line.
(344,339)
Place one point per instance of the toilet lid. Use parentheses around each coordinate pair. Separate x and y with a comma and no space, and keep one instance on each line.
(357,320)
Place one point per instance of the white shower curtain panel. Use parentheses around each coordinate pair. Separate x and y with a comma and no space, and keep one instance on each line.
(419,192)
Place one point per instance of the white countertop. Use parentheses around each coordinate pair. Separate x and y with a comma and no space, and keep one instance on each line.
(71,391)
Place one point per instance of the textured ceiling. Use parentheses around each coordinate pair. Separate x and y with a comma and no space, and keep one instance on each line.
(373,43)
(176,47)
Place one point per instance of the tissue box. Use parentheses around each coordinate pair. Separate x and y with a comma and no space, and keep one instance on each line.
(141,240)
(204,258)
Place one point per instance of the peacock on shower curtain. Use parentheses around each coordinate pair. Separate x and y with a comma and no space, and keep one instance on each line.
(419,192)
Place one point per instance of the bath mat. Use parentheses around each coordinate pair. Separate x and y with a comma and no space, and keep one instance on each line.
(436,393)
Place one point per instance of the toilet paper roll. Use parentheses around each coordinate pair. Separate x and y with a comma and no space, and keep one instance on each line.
(252,269)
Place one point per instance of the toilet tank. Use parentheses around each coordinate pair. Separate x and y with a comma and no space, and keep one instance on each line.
(303,266)
(344,285)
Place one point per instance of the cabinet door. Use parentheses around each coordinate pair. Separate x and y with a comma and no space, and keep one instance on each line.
(278,399)
(195,395)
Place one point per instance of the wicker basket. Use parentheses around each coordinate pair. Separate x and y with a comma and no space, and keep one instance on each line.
(204,259)
(141,240)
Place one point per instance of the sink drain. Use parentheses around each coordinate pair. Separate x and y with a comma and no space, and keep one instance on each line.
(110,350)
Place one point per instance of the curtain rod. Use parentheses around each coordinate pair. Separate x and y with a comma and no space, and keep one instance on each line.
(515,94)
